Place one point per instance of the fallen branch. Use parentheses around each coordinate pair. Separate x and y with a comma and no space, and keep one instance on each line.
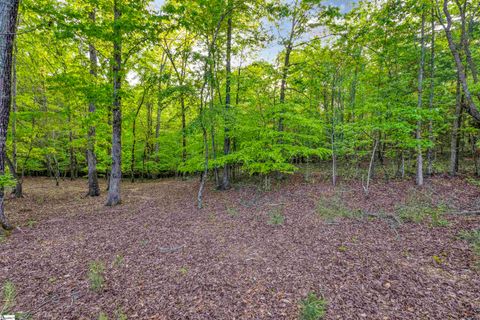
(466,213)
(173,249)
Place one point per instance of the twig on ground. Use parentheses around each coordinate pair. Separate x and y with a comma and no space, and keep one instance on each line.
(172,249)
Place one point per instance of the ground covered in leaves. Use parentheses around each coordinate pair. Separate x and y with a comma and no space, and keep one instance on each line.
(249,254)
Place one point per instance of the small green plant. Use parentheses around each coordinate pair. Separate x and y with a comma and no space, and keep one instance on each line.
(95,275)
(102,316)
(436,216)
(418,209)
(183,271)
(473,181)
(9,294)
(472,237)
(232,212)
(118,262)
(313,307)
(333,207)
(23,316)
(121,315)
(440,259)
(4,234)
(276,217)
(212,217)
(342,248)
(31,223)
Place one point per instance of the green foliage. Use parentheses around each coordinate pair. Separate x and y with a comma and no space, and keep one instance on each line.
(232,212)
(9,294)
(341,94)
(417,210)
(7,180)
(121,315)
(473,237)
(312,308)
(333,207)
(102,316)
(118,262)
(276,217)
(183,271)
(96,271)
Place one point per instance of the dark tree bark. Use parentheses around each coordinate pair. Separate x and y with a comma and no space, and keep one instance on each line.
(134,133)
(116,172)
(8,20)
(455,131)
(227,141)
(93,188)
(286,67)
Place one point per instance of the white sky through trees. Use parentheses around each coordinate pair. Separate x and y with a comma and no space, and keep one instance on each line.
(270,52)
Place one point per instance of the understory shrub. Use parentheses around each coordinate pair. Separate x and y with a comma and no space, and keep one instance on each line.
(9,294)
(419,210)
(333,207)
(472,237)
(95,275)
(312,308)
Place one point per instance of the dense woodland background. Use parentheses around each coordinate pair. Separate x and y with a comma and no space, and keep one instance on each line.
(374,103)
(122,88)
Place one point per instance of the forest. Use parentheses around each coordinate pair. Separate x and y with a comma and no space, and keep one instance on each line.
(240,159)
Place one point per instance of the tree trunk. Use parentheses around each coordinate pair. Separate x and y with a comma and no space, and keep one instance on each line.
(470,106)
(418,134)
(226,141)
(432,93)
(455,130)
(18,187)
(70,147)
(134,134)
(8,20)
(18,191)
(93,188)
(159,108)
(116,175)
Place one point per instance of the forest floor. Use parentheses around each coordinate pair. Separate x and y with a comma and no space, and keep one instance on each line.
(249,254)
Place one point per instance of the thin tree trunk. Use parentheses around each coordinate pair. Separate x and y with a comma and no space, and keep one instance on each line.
(184,130)
(70,146)
(283,86)
(116,175)
(18,191)
(18,188)
(476,159)
(93,188)
(418,134)
(470,106)
(332,138)
(226,141)
(455,130)
(432,93)
(160,108)
(366,188)
(205,171)
(134,134)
